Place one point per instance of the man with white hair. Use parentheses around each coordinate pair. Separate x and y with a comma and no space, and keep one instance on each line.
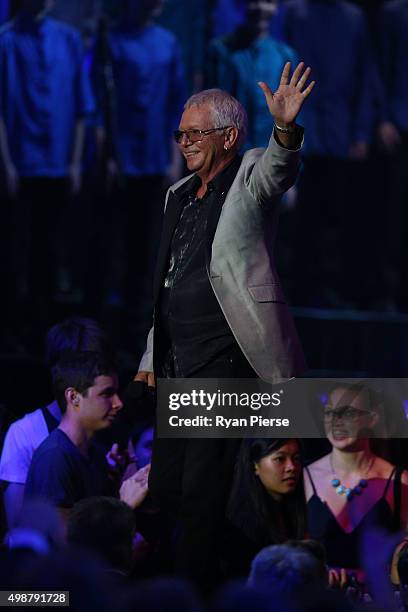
(219,308)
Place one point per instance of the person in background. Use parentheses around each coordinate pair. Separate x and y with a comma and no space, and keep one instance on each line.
(267,503)
(105,526)
(238,61)
(352,489)
(148,76)
(333,249)
(392,25)
(44,96)
(25,435)
(67,467)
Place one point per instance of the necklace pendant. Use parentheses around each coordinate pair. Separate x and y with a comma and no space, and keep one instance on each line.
(335,482)
(341,490)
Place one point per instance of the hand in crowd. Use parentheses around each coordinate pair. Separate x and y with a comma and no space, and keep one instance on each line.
(358,150)
(388,136)
(134,490)
(285,103)
(118,460)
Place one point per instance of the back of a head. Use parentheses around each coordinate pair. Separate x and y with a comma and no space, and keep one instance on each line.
(75,334)
(79,371)
(170,594)
(104,526)
(285,570)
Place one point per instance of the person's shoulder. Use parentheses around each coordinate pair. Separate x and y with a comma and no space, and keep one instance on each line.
(31,425)
(163,34)
(57,443)
(351,11)
(7,30)
(251,155)
(64,29)
(320,465)
(278,46)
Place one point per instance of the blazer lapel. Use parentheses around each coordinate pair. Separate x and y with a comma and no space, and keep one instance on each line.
(175,204)
(225,182)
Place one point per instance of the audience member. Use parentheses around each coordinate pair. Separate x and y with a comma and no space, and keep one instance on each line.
(169,594)
(67,467)
(391,29)
(238,61)
(286,571)
(142,441)
(334,249)
(25,435)
(44,97)
(353,489)
(104,526)
(60,571)
(149,89)
(267,503)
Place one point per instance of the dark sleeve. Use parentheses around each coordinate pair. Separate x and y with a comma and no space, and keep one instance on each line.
(139,403)
(52,477)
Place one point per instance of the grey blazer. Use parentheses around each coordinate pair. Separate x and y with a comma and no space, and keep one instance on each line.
(242,271)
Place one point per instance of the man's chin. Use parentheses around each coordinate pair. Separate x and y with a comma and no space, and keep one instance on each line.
(193,163)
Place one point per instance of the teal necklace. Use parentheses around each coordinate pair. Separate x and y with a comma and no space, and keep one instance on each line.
(350,492)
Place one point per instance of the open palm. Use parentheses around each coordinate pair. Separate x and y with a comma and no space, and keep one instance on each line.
(285,103)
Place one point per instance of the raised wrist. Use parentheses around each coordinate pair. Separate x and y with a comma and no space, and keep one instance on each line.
(285,128)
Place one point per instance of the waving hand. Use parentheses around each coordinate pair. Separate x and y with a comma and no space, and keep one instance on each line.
(285,103)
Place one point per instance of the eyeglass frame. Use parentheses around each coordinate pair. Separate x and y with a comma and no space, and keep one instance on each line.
(178,134)
(329,413)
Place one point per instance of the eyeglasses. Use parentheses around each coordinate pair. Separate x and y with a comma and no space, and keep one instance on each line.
(195,135)
(349,413)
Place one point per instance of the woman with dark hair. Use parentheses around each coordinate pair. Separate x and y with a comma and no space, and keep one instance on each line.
(267,503)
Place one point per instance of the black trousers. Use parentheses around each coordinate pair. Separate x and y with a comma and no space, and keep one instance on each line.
(190,481)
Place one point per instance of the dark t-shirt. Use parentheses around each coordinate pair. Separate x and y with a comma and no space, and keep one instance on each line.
(62,475)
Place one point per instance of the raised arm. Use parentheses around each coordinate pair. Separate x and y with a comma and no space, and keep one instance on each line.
(285,103)
(276,170)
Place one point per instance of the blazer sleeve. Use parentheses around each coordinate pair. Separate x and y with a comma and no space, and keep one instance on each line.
(146,363)
(269,175)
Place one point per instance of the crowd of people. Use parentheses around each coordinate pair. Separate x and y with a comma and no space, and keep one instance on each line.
(296,537)
(86,133)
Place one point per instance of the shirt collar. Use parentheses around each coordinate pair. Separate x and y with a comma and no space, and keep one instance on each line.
(221,181)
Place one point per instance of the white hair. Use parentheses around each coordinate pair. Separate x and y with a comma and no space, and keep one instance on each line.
(225,110)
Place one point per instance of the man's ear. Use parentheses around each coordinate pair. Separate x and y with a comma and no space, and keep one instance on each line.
(72,396)
(256,469)
(231,137)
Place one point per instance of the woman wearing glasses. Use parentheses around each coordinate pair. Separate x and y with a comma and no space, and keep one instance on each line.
(353,489)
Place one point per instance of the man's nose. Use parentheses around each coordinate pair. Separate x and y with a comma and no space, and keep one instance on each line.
(185,140)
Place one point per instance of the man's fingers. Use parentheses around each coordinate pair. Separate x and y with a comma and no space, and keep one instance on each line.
(296,74)
(150,379)
(285,74)
(303,78)
(267,91)
(308,89)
